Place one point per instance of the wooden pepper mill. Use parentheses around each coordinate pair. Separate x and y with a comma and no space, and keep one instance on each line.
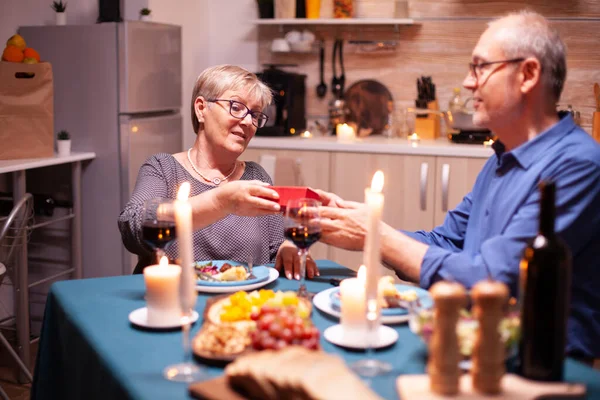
(489,300)
(442,367)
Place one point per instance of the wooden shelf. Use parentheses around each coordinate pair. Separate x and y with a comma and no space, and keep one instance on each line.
(336,21)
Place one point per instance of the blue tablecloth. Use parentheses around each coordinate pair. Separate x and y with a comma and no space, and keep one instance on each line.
(89,350)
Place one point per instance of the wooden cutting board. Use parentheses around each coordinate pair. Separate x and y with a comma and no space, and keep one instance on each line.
(214,389)
(413,387)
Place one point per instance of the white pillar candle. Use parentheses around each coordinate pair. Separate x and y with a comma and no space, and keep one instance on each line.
(162,293)
(352,298)
(372,251)
(345,133)
(183,223)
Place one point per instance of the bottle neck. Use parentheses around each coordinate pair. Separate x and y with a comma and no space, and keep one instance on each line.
(547,208)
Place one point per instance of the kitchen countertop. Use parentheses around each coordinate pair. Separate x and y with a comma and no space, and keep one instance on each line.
(438,147)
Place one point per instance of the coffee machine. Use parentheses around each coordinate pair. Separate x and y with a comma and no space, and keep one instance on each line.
(287,112)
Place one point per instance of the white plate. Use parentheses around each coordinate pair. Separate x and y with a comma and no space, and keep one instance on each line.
(139,317)
(386,336)
(322,301)
(273,274)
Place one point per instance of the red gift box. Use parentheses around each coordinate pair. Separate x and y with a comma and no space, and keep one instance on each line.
(287,193)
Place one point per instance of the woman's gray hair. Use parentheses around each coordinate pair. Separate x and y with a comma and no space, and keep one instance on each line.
(214,81)
(530,35)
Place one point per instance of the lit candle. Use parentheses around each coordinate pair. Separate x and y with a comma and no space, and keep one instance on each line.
(352,293)
(183,223)
(306,134)
(414,139)
(372,251)
(162,293)
(345,133)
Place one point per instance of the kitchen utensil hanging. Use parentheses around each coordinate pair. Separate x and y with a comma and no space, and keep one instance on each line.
(337,83)
(322,86)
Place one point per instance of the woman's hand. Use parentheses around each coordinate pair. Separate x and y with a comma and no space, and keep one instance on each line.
(288,262)
(248,198)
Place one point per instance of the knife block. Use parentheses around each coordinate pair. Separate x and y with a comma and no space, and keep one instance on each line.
(596,126)
(429,127)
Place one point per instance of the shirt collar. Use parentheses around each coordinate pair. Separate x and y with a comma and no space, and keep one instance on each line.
(529,151)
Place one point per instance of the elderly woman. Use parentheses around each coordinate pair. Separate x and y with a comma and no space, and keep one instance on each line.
(235,213)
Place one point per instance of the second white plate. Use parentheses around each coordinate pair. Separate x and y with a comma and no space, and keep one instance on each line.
(322,301)
(273,274)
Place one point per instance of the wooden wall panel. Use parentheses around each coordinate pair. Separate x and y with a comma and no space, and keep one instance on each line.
(440,48)
(489,8)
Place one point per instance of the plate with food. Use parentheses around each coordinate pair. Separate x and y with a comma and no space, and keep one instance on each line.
(421,323)
(229,273)
(249,321)
(396,299)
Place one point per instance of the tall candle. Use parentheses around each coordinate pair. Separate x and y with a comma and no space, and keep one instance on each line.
(353,317)
(372,251)
(183,222)
(162,293)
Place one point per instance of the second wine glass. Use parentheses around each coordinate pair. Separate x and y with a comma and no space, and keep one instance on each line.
(302,226)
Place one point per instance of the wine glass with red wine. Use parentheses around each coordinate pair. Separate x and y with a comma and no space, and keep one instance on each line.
(158,225)
(302,225)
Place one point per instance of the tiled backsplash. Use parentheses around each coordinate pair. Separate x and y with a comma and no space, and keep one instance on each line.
(440,45)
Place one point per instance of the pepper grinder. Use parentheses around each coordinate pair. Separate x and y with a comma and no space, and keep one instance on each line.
(442,367)
(489,298)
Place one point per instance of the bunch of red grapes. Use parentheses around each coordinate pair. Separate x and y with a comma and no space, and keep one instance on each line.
(278,327)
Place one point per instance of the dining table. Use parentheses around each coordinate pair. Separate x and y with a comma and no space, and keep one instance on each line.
(88,348)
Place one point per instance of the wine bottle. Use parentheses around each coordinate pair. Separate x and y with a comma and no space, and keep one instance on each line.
(545,297)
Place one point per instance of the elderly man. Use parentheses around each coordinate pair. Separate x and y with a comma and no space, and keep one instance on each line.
(516,75)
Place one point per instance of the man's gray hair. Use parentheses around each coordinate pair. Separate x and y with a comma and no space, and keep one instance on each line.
(530,35)
(214,81)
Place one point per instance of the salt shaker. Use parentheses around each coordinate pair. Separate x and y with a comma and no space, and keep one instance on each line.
(489,298)
(443,370)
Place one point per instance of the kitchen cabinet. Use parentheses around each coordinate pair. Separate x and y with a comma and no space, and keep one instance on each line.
(296,168)
(454,178)
(408,190)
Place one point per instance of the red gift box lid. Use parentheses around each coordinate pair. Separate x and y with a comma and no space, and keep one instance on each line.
(287,193)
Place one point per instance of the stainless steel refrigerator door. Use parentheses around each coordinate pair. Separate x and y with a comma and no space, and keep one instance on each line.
(149,67)
(140,139)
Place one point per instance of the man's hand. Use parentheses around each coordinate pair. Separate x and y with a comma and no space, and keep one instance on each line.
(329,199)
(346,227)
(288,262)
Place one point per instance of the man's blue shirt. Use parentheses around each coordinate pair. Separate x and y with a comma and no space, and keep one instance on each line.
(489,230)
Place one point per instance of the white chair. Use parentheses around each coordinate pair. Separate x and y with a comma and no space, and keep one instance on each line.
(14,234)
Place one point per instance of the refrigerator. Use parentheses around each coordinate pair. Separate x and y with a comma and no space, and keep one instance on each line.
(117,90)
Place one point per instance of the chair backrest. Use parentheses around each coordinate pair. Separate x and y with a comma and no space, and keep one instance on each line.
(15,228)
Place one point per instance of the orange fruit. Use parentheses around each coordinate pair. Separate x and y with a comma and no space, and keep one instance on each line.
(30,60)
(18,41)
(31,53)
(12,54)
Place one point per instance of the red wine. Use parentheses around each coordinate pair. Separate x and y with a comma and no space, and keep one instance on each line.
(546,285)
(303,237)
(158,234)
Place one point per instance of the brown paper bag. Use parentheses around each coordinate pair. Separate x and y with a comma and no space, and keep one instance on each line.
(26,110)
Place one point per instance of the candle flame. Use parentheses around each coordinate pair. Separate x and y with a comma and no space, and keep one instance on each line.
(362,274)
(164,261)
(377,182)
(184,191)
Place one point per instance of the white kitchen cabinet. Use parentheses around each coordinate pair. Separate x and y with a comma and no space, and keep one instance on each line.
(454,178)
